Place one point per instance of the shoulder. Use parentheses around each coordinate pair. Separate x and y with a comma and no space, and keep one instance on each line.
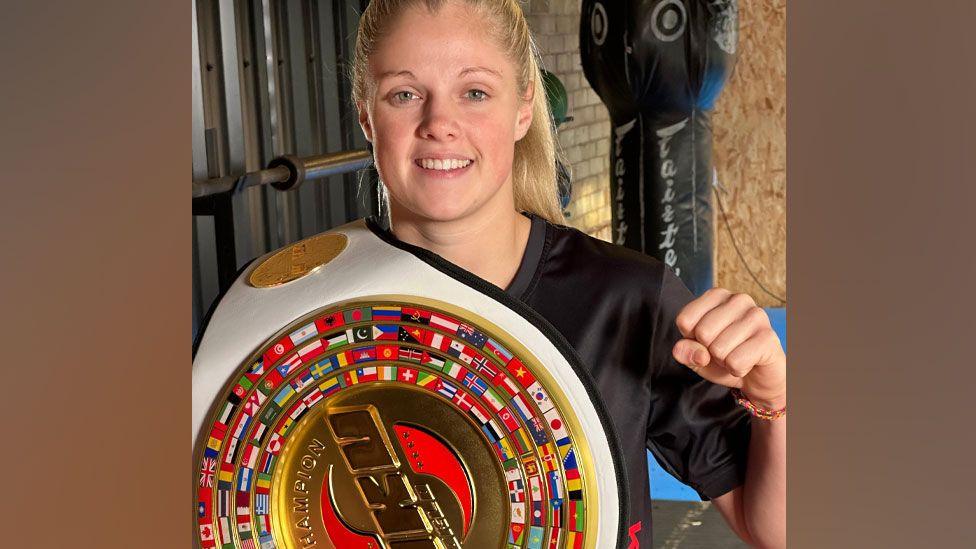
(603,262)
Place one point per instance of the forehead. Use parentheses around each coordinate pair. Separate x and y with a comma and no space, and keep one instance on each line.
(443,43)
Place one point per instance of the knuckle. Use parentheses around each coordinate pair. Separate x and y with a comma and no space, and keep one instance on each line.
(757,316)
(722,292)
(744,300)
(718,351)
(705,334)
(772,338)
(737,366)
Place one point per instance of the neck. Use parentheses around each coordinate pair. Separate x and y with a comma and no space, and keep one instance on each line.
(489,244)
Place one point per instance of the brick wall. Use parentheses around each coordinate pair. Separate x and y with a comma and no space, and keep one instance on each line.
(586,139)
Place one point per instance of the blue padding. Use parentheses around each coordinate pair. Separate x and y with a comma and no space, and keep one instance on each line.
(663,485)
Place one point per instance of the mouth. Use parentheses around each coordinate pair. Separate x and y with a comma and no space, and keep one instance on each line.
(443,167)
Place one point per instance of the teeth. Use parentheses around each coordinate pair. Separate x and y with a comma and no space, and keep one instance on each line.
(438,164)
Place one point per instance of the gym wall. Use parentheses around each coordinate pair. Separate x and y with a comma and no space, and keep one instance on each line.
(749,142)
(749,125)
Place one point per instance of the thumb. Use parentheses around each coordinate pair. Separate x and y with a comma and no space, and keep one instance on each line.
(691,353)
(694,355)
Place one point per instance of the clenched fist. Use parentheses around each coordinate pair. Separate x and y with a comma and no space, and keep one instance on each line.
(728,340)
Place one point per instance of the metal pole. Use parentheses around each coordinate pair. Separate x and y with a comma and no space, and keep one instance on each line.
(287,172)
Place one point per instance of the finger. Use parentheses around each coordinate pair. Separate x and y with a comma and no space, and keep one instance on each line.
(691,353)
(683,352)
(714,322)
(751,353)
(691,313)
(749,323)
(760,349)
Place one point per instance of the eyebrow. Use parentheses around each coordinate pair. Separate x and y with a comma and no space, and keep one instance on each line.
(470,70)
(390,74)
(464,72)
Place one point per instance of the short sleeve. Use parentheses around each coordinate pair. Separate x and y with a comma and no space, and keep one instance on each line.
(695,429)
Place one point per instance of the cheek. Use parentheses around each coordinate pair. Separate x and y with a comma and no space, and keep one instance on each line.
(490,129)
(391,141)
(498,139)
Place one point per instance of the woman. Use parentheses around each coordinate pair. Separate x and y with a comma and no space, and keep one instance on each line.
(449,95)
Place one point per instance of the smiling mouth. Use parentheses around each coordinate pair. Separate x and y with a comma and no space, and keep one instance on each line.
(438,164)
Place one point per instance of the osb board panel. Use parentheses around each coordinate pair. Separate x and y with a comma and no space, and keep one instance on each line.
(749,126)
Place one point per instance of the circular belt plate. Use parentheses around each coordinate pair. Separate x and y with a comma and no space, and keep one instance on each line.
(395,423)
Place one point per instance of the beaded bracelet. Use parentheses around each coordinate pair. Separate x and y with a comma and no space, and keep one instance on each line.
(756,411)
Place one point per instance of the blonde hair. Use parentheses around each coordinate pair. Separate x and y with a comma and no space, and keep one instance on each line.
(534,165)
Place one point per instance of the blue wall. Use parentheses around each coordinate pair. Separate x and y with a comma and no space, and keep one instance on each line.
(663,485)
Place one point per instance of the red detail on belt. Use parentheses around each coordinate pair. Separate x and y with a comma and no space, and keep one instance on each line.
(436,459)
(634,544)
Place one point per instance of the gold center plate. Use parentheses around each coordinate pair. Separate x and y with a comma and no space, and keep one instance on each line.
(362,478)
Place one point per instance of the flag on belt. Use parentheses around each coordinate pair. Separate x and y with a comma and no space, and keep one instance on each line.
(479,413)
(521,373)
(357,315)
(554,535)
(511,424)
(385,332)
(411,334)
(535,537)
(444,322)
(335,341)
(409,314)
(447,389)
(366,374)
(540,397)
(386,313)
(428,381)
(506,383)
(329,386)
(575,515)
(303,333)
(516,533)
(310,351)
(471,335)
(387,352)
(356,335)
(329,322)
(254,403)
(411,355)
(277,351)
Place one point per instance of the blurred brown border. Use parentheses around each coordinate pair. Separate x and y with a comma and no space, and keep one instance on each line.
(95,126)
(96,274)
(880,151)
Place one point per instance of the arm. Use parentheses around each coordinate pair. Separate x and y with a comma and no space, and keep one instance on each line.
(760,505)
(728,341)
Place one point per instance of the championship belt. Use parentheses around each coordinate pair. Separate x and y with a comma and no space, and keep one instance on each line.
(351,393)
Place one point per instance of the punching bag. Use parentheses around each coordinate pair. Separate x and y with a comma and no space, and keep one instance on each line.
(659,66)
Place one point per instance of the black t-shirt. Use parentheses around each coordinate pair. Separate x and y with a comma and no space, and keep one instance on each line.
(617,307)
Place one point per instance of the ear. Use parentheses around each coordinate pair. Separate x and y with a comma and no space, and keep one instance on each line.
(364,121)
(523,118)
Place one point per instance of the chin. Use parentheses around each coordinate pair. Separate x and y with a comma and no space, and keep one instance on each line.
(442,212)
(446,208)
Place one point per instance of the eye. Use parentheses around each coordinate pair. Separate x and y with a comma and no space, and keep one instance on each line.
(403,96)
(477,95)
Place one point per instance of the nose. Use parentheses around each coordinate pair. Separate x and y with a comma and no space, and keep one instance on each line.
(439,120)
